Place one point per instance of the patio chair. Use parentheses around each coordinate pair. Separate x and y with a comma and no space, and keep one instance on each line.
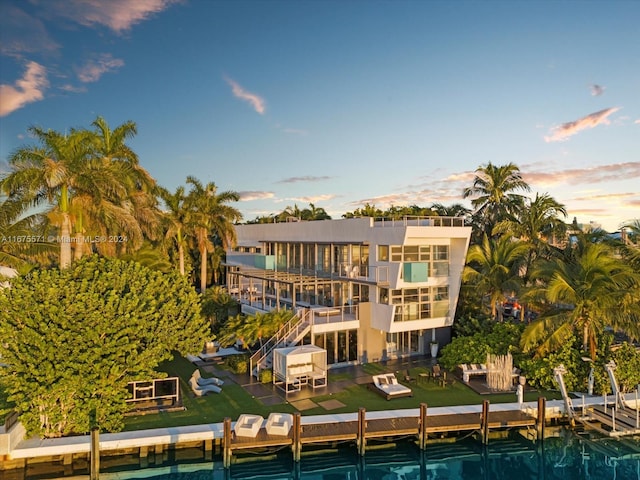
(206,381)
(409,378)
(436,373)
(200,390)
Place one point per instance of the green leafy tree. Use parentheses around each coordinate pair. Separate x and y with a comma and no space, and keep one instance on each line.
(74,338)
(584,291)
(493,267)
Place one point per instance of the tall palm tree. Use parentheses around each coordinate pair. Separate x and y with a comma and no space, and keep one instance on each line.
(210,217)
(46,176)
(137,216)
(176,217)
(586,290)
(492,194)
(537,223)
(493,267)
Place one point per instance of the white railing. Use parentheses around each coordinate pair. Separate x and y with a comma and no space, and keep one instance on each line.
(420,222)
(290,331)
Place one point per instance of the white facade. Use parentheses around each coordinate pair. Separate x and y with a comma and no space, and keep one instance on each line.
(371,289)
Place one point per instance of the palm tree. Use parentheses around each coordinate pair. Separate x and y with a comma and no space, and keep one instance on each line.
(493,267)
(455,210)
(537,223)
(136,215)
(492,194)
(314,213)
(584,291)
(290,212)
(210,217)
(46,175)
(24,239)
(176,217)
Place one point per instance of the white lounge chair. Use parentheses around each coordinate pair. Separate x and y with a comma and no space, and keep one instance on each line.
(387,385)
(279,423)
(201,390)
(248,425)
(206,381)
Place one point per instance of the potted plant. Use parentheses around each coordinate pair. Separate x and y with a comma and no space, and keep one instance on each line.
(433,346)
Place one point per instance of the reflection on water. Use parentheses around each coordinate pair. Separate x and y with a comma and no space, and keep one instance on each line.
(567,455)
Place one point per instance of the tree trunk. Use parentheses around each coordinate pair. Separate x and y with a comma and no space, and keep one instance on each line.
(203,270)
(181,259)
(78,248)
(65,241)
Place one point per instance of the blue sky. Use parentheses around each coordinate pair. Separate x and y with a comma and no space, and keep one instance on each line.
(342,103)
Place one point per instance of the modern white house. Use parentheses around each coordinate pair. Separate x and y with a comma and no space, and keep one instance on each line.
(363,289)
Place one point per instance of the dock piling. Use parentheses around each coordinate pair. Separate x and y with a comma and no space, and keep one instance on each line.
(484,422)
(422,432)
(296,445)
(362,428)
(95,454)
(226,443)
(541,419)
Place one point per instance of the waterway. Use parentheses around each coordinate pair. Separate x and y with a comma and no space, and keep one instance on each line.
(566,455)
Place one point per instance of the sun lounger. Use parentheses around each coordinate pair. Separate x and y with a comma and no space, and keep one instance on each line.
(206,381)
(248,425)
(387,385)
(279,423)
(201,390)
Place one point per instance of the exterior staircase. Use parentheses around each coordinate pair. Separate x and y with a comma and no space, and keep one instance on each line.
(289,335)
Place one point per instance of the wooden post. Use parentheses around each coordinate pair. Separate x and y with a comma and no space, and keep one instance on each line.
(95,454)
(226,443)
(361,441)
(422,427)
(484,422)
(296,446)
(541,420)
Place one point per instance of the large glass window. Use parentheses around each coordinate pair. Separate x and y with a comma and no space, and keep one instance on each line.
(420,303)
(383,253)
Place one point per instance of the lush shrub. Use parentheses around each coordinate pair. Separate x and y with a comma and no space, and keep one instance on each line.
(266,376)
(239,364)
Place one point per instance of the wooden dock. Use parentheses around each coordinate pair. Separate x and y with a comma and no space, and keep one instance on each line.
(363,429)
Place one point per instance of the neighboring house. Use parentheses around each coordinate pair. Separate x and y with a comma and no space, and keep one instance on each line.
(364,289)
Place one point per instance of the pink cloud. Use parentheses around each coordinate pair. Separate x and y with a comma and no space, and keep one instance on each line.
(30,88)
(257,102)
(568,129)
(590,175)
(94,69)
(118,15)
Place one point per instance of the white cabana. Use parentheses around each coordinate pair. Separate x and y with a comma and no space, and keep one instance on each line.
(294,367)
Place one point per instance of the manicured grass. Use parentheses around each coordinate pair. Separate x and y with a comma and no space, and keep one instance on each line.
(234,400)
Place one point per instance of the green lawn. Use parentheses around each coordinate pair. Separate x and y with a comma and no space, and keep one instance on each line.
(234,400)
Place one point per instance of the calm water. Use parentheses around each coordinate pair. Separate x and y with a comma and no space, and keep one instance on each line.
(568,456)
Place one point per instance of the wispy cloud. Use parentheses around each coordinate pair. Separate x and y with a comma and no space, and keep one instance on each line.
(637,121)
(590,175)
(22,33)
(118,15)
(248,195)
(30,88)
(258,103)
(95,68)
(308,178)
(608,197)
(568,129)
(597,90)
(314,198)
